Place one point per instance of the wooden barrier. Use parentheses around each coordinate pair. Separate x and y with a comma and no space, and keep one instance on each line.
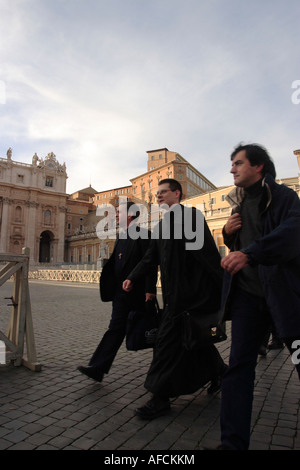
(20,329)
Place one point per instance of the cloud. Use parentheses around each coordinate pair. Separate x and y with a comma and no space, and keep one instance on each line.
(99,83)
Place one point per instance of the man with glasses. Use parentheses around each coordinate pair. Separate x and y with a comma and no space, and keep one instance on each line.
(191,278)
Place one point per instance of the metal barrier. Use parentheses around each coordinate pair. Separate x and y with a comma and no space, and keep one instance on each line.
(65,275)
(71,275)
(20,329)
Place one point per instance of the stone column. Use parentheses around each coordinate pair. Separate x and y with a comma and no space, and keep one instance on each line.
(53,251)
(31,229)
(61,234)
(5,225)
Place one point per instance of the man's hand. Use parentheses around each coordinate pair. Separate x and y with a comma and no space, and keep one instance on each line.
(234,223)
(127,285)
(149,297)
(234,262)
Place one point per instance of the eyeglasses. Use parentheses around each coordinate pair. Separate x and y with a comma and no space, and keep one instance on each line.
(163,191)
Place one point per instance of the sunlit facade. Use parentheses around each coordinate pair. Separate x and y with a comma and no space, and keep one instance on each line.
(33,207)
(62,229)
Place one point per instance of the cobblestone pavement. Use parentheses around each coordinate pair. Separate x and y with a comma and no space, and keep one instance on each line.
(58,408)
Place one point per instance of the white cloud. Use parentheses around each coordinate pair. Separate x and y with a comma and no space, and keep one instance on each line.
(99,83)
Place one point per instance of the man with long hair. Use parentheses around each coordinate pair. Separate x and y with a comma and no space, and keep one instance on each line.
(261,281)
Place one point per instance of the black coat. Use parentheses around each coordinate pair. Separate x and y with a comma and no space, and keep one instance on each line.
(191,280)
(277,255)
(111,283)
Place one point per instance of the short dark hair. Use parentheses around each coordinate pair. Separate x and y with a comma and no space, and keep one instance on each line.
(174,185)
(128,205)
(257,154)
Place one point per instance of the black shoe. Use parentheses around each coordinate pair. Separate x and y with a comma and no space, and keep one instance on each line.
(276,344)
(91,372)
(215,384)
(154,408)
(262,350)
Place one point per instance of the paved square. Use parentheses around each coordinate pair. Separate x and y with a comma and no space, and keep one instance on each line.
(58,408)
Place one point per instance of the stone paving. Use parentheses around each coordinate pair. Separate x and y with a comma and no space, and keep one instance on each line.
(60,409)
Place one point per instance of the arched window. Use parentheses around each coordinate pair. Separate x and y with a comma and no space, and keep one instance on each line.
(47,217)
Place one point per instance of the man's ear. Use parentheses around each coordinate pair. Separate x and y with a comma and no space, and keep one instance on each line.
(260,168)
(178,193)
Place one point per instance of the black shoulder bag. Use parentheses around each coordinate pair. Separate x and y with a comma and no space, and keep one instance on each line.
(200,329)
(142,327)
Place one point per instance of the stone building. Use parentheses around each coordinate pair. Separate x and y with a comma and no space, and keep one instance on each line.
(162,164)
(35,210)
(84,246)
(111,196)
(33,207)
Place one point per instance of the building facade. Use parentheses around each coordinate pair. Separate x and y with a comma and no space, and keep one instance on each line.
(111,196)
(35,210)
(85,247)
(82,246)
(198,191)
(33,207)
(163,164)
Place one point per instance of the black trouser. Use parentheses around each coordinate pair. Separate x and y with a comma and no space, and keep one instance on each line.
(108,347)
(250,321)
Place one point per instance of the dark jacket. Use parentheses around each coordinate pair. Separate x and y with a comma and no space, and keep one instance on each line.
(276,253)
(191,280)
(135,251)
(188,277)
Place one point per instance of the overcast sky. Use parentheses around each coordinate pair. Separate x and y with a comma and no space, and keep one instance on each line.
(100,82)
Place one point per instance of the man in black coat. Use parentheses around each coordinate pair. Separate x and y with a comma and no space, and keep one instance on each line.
(126,254)
(191,279)
(261,281)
